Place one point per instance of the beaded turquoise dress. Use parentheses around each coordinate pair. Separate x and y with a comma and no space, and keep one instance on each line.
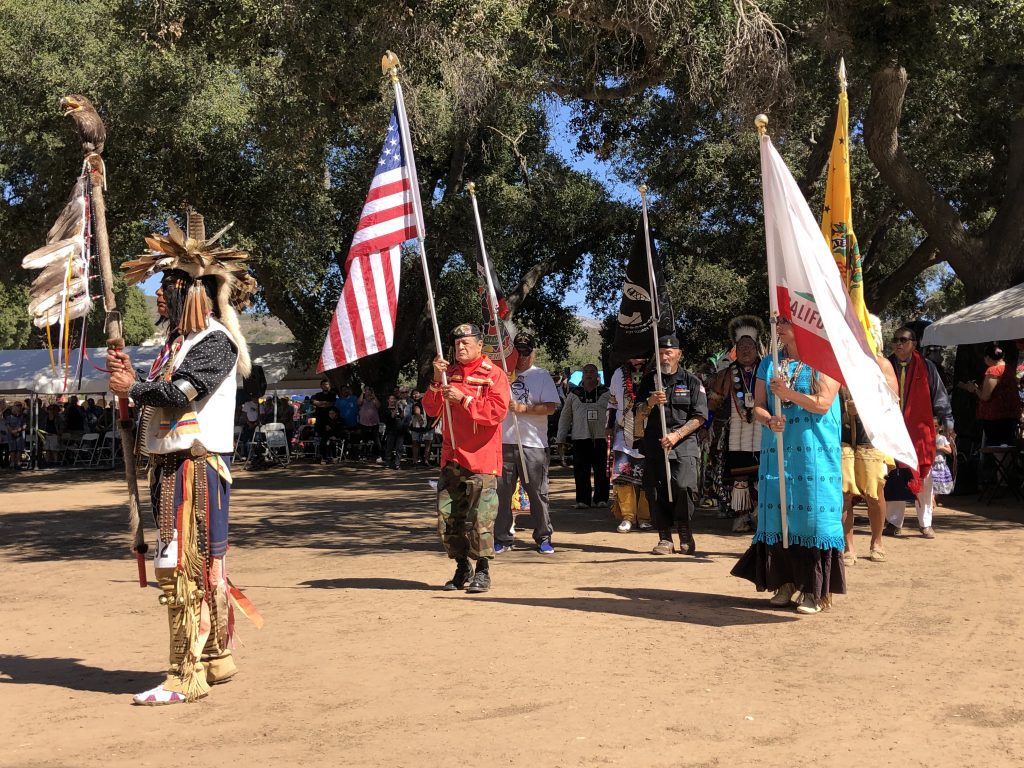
(814,497)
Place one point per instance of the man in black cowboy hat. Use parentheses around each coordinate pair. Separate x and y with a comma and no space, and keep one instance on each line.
(686,410)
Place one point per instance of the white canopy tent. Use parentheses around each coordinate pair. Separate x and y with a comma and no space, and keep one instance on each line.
(997,318)
(27,371)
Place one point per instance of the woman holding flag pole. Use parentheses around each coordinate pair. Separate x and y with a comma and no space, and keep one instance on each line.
(803,555)
(798,549)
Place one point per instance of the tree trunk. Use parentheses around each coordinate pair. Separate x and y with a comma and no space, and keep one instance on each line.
(985,264)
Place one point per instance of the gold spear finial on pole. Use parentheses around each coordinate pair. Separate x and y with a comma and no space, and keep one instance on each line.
(842,73)
(761,121)
(643,190)
(389,65)
(471,188)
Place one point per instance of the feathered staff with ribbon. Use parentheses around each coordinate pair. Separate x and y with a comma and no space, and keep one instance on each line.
(60,293)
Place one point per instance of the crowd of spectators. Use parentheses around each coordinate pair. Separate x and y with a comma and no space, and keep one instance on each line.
(59,421)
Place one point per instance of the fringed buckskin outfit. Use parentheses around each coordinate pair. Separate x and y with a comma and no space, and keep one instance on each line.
(626,465)
(187,428)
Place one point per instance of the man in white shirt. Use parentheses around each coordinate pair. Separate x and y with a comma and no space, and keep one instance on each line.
(534,398)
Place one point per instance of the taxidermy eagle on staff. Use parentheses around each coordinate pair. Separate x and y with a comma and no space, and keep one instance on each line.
(87,122)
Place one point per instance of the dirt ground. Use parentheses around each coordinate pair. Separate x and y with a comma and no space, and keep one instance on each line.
(598,655)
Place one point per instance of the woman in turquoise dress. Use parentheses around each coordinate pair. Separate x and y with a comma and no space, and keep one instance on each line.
(811,568)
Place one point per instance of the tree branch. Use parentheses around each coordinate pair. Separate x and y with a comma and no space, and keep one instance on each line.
(524,167)
(632,87)
(817,160)
(879,294)
(533,276)
(881,138)
(1007,230)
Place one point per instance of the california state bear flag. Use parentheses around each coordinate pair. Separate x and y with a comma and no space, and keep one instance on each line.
(805,287)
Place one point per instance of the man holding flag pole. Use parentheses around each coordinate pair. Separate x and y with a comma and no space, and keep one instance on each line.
(670,444)
(799,541)
(364,319)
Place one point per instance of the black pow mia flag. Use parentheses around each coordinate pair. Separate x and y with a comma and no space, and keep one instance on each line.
(633,335)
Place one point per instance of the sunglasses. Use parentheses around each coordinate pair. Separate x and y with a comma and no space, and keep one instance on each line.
(901,339)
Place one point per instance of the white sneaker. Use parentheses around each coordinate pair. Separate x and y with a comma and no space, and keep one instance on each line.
(625,526)
(782,595)
(581,505)
(601,504)
(645,526)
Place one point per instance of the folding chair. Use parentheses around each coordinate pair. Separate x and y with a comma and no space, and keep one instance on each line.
(277,442)
(240,451)
(269,444)
(70,445)
(86,449)
(107,451)
(1005,463)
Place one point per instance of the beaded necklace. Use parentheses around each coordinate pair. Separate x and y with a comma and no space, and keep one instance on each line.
(790,379)
(743,387)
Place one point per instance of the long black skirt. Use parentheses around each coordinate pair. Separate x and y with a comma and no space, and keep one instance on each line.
(819,572)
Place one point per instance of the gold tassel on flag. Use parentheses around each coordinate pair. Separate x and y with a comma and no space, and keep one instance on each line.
(837,215)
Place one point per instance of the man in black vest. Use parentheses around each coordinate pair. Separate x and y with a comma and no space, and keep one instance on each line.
(686,410)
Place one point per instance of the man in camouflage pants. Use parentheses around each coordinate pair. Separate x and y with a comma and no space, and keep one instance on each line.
(472,405)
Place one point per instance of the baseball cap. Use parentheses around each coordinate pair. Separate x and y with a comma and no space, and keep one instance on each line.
(524,342)
(466,329)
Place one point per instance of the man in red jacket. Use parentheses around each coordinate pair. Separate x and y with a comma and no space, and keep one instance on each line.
(473,405)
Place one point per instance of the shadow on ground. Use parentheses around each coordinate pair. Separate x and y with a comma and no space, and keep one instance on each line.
(73,675)
(349,510)
(704,609)
(355,583)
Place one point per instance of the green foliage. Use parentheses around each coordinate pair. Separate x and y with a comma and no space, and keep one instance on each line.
(271,114)
(15,325)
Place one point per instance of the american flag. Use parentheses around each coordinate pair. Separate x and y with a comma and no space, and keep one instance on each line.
(364,320)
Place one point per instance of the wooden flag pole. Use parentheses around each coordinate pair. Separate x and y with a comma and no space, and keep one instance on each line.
(389,65)
(492,300)
(652,286)
(115,340)
(761,122)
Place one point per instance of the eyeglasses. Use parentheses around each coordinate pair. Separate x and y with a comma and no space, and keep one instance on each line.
(901,339)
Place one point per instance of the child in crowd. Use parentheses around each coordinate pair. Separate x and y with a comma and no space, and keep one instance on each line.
(942,476)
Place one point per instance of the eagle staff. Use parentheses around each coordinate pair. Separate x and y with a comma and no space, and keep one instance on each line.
(93,135)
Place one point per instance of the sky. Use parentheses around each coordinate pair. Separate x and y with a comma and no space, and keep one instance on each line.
(563,144)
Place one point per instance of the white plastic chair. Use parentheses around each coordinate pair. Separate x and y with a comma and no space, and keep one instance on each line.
(86,448)
(275,439)
(107,450)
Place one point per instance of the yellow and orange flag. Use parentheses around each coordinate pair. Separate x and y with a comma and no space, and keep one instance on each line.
(837,216)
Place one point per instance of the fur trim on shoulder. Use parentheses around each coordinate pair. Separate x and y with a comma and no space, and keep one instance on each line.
(229,319)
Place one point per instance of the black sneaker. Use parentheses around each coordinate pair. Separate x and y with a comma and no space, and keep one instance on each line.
(481,582)
(463,572)
(891,530)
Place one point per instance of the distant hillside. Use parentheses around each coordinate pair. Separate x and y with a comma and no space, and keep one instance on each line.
(258,329)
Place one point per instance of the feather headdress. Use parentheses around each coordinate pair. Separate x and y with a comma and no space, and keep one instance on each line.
(746,325)
(199,257)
